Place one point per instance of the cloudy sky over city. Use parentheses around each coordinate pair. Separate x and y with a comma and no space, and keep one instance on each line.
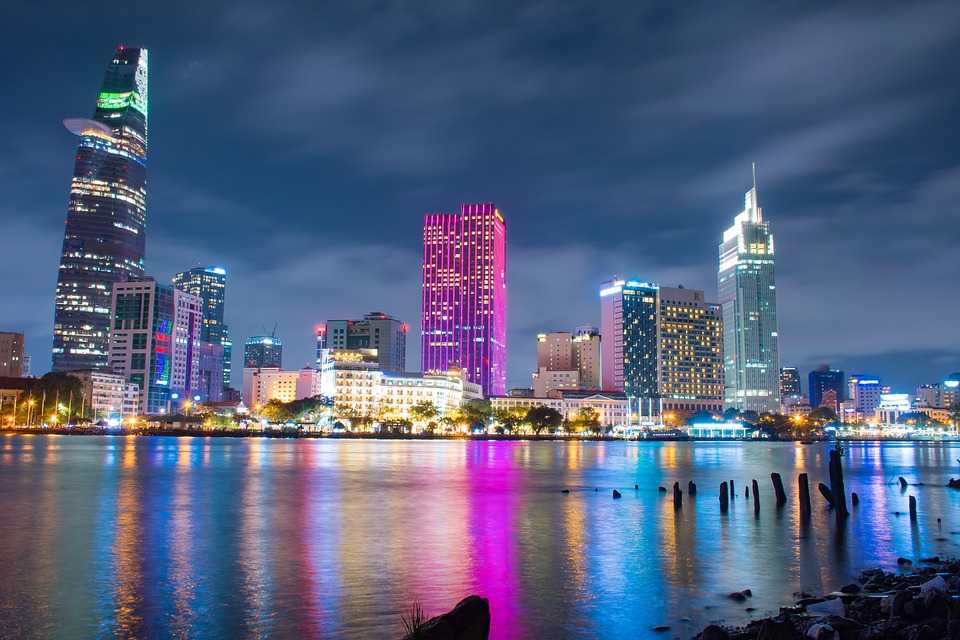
(299,147)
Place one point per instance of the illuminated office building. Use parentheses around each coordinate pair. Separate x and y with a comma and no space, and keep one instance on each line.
(863,392)
(104,238)
(661,346)
(822,380)
(790,382)
(464,303)
(262,352)
(155,342)
(748,299)
(376,330)
(210,283)
(11,355)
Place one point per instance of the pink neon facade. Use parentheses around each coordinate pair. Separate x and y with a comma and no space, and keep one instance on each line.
(464,311)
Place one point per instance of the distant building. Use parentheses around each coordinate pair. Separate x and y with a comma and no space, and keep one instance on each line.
(863,394)
(661,346)
(940,395)
(210,284)
(108,396)
(612,407)
(263,351)
(376,330)
(790,382)
(567,361)
(155,341)
(892,406)
(823,379)
(464,303)
(263,384)
(210,376)
(320,335)
(11,354)
(748,298)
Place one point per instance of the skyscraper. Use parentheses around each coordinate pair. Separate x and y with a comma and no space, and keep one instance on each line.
(748,299)
(377,330)
(262,352)
(155,341)
(628,324)
(789,382)
(11,354)
(104,239)
(210,283)
(464,304)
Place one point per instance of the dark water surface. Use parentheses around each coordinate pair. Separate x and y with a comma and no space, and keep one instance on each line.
(238,538)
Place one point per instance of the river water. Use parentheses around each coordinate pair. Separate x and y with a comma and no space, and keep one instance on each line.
(235,538)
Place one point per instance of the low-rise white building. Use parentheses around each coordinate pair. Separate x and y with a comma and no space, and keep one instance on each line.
(262,385)
(611,407)
(108,396)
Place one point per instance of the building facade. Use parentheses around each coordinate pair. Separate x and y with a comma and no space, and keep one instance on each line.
(790,383)
(587,356)
(748,299)
(464,297)
(567,361)
(546,380)
(11,355)
(108,397)
(822,380)
(612,407)
(863,393)
(376,330)
(155,341)
(210,285)
(661,346)
(105,235)
(210,373)
(263,351)
(263,384)
(940,395)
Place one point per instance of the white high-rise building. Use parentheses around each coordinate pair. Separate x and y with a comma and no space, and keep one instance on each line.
(748,298)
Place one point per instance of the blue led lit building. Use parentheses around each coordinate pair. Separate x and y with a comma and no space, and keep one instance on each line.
(104,238)
(210,283)
(748,300)
(629,355)
(823,381)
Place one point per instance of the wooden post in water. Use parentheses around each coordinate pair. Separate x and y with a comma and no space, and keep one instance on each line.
(836,485)
(778,488)
(854,499)
(733,492)
(756,498)
(825,492)
(804,488)
(913,509)
(724,499)
(691,488)
(746,492)
(677,496)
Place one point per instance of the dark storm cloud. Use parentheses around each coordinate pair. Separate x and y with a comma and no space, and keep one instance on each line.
(300,145)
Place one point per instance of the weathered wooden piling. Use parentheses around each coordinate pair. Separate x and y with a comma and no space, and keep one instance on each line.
(804,490)
(825,492)
(677,496)
(854,499)
(913,509)
(836,484)
(756,498)
(746,492)
(733,492)
(724,498)
(903,482)
(691,488)
(616,494)
(778,488)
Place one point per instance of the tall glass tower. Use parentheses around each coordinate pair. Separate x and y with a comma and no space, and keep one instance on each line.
(210,284)
(104,239)
(464,305)
(748,300)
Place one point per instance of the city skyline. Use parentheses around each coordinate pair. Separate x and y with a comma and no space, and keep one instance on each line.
(554,272)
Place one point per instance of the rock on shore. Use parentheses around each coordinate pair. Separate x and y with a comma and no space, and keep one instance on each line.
(921,605)
(469,620)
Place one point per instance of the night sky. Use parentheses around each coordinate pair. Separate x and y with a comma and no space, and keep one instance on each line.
(299,147)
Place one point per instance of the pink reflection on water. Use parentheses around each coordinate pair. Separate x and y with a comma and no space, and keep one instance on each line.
(493,509)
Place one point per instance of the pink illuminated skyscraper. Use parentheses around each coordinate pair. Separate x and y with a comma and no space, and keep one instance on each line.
(464,321)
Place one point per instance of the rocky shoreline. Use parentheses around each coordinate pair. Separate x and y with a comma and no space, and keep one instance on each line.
(913,603)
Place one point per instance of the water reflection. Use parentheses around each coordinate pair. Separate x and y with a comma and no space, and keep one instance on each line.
(136,537)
